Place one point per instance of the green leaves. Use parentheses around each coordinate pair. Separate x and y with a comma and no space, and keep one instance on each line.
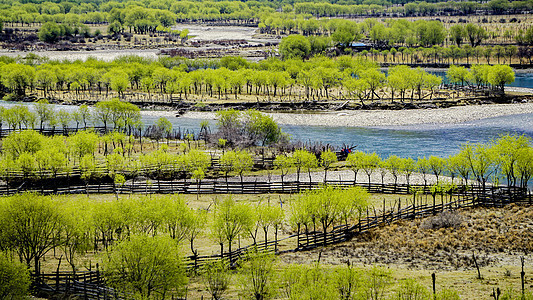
(247,128)
(295,46)
(14,278)
(31,226)
(19,142)
(145,266)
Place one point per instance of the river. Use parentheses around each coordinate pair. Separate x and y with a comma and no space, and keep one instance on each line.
(406,141)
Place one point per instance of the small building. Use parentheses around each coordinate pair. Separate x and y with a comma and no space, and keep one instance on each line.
(358,46)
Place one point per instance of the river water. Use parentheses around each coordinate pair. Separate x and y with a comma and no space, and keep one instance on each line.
(406,141)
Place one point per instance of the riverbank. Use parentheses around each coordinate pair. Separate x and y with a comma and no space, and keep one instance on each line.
(374,118)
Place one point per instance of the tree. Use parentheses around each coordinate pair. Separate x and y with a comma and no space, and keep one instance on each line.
(244,162)
(261,127)
(407,168)
(481,159)
(369,163)
(327,158)
(114,28)
(458,74)
(375,80)
(145,266)
(397,80)
(27,141)
(77,237)
(119,83)
(394,164)
(230,220)
(164,126)
(294,46)
(44,112)
(475,34)
(82,143)
(508,150)
(18,77)
(457,34)
(436,164)
(258,275)
(50,32)
(284,163)
(500,75)
(344,36)
(14,278)
(304,159)
(217,278)
(31,227)
(269,216)
(85,114)
(422,164)
(353,161)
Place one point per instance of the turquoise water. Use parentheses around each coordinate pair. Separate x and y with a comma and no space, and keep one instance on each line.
(407,141)
(416,140)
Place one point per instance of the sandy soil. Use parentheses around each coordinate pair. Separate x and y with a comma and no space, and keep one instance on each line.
(209,33)
(106,55)
(370,118)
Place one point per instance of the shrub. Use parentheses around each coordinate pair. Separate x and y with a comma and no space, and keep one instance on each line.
(445,219)
(14,279)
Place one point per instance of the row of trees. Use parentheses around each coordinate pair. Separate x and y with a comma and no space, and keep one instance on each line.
(508,158)
(344,77)
(34,225)
(409,8)
(343,32)
(137,14)
(34,155)
(481,75)
(113,114)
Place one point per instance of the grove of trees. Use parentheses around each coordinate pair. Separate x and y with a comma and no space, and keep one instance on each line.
(345,77)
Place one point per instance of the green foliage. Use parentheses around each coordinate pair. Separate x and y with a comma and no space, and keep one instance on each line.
(248,128)
(50,32)
(327,158)
(230,220)
(262,127)
(31,227)
(500,75)
(83,143)
(19,142)
(121,114)
(217,278)
(147,267)
(14,278)
(258,275)
(295,46)
(303,159)
(328,206)
(236,161)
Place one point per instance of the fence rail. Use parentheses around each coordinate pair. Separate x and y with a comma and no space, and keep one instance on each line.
(245,187)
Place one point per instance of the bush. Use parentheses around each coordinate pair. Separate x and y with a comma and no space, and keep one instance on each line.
(14,278)
(445,219)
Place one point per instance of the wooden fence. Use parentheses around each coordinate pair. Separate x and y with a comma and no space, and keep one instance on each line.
(210,186)
(90,285)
